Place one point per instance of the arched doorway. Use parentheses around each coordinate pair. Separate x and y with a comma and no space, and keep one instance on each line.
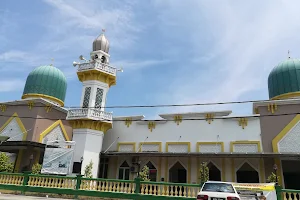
(214,172)
(124,171)
(247,174)
(177,173)
(152,171)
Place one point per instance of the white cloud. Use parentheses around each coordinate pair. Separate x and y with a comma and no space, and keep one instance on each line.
(247,41)
(11,85)
(138,65)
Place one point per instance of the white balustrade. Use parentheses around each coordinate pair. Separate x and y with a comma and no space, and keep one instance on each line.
(97,66)
(89,113)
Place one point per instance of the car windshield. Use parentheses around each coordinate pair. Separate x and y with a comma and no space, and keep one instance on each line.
(218,187)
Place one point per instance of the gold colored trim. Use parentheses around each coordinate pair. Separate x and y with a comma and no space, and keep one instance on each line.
(97,76)
(243,122)
(189,170)
(278,138)
(256,110)
(3,107)
(128,122)
(210,143)
(244,142)
(91,124)
(209,117)
(289,95)
(126,143)
(272,107)
(233,170)
(262,171)
(177,143)
(50,128)
(18,161)
(159,170)
(223,172)
(48,107)
(151,126)
(178,119)
(153,143)
(166,169)
(30,104)
(44,96)
(223,169)
(19,122)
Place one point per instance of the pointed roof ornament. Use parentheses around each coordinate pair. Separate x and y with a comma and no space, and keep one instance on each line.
(52,59)
(101,43)
(289,54)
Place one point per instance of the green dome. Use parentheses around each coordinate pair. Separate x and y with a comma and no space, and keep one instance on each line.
(46,82)
(284,80)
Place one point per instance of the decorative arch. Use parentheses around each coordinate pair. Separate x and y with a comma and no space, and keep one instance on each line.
(256,171)
(176,161)
(283,133)
(218,172)
(53,126)
(19,122)
(178,174)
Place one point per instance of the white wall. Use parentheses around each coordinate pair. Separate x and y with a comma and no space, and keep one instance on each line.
(220,130)
(88,146)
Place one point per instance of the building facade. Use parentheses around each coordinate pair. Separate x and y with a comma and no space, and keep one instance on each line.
(238,149)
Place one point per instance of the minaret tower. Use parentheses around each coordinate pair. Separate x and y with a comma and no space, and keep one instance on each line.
(90,121)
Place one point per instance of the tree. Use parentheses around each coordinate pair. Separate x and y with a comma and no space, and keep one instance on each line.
(144,174)
(36,168)
(5,164)
(204,172)
(272,178)
(88,170)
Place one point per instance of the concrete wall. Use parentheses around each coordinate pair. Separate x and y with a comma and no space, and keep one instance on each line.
(220,130)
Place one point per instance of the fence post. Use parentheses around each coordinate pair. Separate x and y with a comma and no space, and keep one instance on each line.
(25,181)
(278,192)
(78,183)
(137,182)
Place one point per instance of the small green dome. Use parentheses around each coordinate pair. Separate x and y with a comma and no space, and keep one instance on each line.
(284,80)
(46,82)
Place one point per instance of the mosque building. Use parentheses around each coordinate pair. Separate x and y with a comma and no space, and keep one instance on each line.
(238,149)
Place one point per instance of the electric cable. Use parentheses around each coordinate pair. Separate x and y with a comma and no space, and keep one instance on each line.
(158,105)
(157,120)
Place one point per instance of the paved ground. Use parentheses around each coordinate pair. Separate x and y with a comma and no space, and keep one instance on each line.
(17,197)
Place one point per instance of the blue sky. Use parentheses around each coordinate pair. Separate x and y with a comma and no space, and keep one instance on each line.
(172,51)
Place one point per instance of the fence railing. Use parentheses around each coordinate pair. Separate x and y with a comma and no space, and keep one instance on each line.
(287,194)
(111,188)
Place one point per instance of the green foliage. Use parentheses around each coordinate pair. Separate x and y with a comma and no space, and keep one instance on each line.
(5,164)
(204,172)
(144,174)
(88,170)
(272,178)
(36,168)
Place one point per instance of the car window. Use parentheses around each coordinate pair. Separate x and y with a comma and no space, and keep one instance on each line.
(218,187)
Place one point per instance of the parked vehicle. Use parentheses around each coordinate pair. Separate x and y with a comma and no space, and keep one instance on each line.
(216,190)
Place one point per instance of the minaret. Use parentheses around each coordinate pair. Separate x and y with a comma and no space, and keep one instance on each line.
(90,122)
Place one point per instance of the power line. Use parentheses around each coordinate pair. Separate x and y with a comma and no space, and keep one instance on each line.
(157,120)
(164,105)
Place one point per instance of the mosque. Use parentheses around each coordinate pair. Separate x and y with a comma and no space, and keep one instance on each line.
(239,149)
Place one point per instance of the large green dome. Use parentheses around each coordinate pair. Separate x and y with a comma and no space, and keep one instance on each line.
(284,80)
(46,82)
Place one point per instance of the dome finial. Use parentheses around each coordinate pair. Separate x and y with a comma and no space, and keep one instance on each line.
(103,30)
(289,54)
(52,59)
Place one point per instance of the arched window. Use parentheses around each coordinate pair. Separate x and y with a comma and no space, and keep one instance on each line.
(152,171)
(124,171)
(214,172)
(246,174)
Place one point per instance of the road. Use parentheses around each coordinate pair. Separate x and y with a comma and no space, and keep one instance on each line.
(16,197)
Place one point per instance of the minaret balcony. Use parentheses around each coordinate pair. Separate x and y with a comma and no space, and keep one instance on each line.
(90,114)
(95,65)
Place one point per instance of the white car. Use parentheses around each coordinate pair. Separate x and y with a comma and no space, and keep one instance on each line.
(216,190)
